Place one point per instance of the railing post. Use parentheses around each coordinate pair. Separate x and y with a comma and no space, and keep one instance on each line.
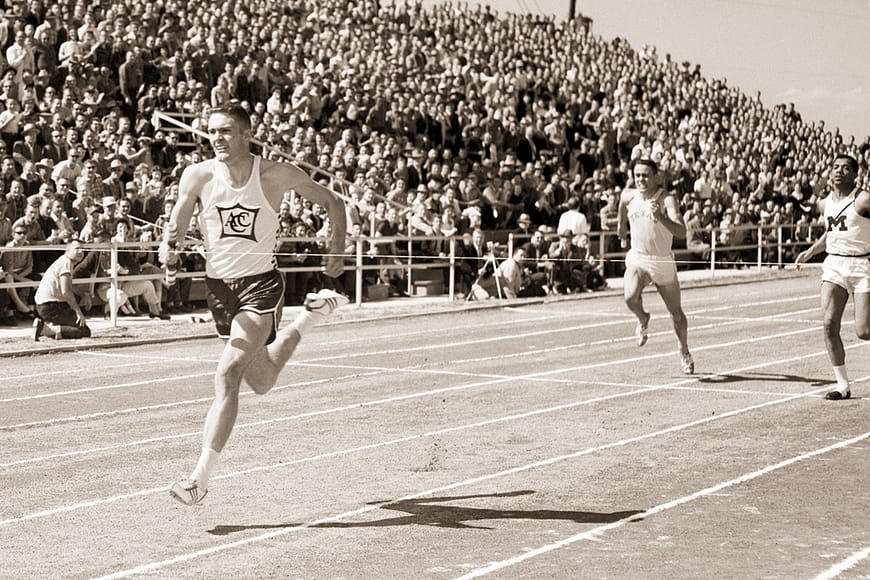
(451,277)
(410,257)
(714,235)
(358,273)
(779,245)
(113,302)
(760,245)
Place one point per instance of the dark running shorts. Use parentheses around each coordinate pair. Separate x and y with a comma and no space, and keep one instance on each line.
(262,294)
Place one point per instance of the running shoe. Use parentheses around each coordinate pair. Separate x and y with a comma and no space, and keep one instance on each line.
(642,333)
(38,328)
(187,492)
(687,363)
(837,395)
(325,301)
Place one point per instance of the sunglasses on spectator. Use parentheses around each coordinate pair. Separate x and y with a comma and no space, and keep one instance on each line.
(20,232)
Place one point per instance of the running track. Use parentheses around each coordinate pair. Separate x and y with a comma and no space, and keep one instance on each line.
(528,442)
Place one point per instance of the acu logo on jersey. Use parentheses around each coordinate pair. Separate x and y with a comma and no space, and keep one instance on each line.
(238,221)
(838,222)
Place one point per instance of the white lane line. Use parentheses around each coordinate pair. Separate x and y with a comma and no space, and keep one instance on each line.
(18,379)
(373,371)
(442,345)
(574,329)
(574,382)
(154,566)
(144,383)
(130,410)
(844,565)
(598,531)
(552,372)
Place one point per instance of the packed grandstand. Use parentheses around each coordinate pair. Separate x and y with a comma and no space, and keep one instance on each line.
(429,121)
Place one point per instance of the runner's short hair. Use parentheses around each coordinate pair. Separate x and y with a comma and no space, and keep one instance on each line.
(648,162)
(236,112)
(853,163)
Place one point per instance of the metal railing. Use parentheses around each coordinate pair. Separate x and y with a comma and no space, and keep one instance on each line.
(771,246)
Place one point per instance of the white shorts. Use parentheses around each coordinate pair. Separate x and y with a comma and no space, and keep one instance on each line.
(850,273)
(662,270)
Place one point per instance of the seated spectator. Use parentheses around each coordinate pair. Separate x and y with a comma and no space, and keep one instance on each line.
(592,265)
(17,266)
(93,226)
(59,314)
(525,227)
(697,236)
(537,265)
(128,264)
(506,281)
(568,274)
(62,231)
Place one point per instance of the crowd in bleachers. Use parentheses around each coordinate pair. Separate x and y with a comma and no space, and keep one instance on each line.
(430,121)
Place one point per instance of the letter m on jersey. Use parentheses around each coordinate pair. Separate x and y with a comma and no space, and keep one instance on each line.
(238,221)
(838,222)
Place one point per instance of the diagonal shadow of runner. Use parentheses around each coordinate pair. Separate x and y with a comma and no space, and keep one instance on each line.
(432,511)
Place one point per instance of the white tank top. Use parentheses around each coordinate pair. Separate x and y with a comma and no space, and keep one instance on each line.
(648,235)
(239,225)
(848,232)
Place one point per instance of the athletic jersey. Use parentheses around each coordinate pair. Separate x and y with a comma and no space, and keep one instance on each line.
(848,232)
(239,225)
(648,235)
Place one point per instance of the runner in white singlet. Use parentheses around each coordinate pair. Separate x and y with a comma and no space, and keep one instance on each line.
(239,195)
(653,218)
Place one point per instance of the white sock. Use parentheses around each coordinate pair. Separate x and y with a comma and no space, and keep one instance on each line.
(208,460)
(842,378)
(305,321)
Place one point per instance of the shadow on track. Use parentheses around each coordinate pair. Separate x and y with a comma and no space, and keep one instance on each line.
(432,512)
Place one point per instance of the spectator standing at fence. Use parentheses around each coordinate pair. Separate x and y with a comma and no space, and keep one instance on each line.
(59,313)
(652,217)
(572,219)
(846,269)
(239,194)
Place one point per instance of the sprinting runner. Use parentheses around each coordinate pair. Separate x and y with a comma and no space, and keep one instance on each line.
(653,219)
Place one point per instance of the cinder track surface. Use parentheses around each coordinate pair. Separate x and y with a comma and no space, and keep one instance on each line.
(529,442)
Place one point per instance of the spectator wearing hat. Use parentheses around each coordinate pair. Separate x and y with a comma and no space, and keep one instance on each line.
(113,185)
(26,148)
(94,224)
(110,207)
(525,227)
(44,167)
